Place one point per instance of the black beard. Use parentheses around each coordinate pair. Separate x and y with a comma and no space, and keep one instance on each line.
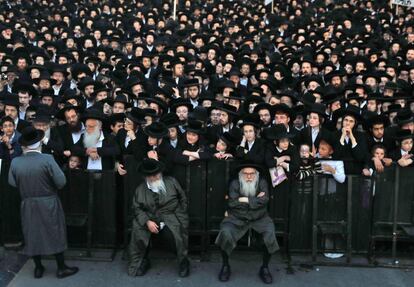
(75,129)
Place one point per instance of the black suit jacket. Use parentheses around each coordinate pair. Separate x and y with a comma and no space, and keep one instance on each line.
(255,154)
(306,136)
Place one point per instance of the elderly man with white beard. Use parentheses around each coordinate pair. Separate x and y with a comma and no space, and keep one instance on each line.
(160,212)
(97,150)
(247,209)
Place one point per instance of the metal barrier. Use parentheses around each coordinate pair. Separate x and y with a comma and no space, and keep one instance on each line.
(362,211)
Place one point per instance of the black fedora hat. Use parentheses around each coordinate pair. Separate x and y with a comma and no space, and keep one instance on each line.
(136,115)
(170,120)
(231,138)
(248,163)
(276,132)
(150,167)
(174,104)
(120,98)
(284,109)
(229,109)
(250,119)
(195,127)
(11,100)
(156,130)
(317,108)
(402,134)
(30,136)
(93,114)
(404,116)
(61,113)
(352,111)
(377,119)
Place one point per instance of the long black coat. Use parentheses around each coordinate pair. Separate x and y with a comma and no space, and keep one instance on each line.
(38,177)
(255,154)
(271,152)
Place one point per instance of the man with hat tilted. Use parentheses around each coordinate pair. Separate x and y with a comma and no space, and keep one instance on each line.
(160,211)
(247,209)
(37,176)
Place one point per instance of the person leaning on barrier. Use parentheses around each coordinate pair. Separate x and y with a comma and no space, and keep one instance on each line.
(37,176)
(247,209)
(159,209)
(403,155)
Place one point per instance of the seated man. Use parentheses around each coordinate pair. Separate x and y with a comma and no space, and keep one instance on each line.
(160,209)
(247,202)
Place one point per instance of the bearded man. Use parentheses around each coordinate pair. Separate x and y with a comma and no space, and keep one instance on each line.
(160,212)
(97,150)
(72,130)
(247,209)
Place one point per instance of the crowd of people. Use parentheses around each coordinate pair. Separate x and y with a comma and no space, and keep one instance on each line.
(308,87)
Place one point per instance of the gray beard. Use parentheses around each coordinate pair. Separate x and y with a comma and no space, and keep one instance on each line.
(248,188)
(91,139)
(158,186)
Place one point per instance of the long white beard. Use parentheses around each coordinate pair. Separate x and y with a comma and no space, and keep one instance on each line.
(91,139)
(47,133)
(248,188)
(158,186)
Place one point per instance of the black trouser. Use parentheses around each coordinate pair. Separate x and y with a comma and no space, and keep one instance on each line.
(163,238)
(60,261)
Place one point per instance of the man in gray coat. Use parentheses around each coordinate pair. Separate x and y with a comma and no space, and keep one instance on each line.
(247,209)
(37,176)
(160,211)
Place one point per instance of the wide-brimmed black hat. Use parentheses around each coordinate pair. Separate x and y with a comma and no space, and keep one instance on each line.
(328,138)
(150,167)
(402,134)
(43,115)
(195,127)
(404,116)
(11,100)
(229,109)
(377,119)
(248,163)
(284,109)
(170,120)
(30,136)
(192,83)
(93,114)
(86,81)
(320,109)
(250,119)
(174,104)
(352,111)
(44,76)
(156,130)
(136,115)
(156,100)
(276,132)
(120,98)
(61,113)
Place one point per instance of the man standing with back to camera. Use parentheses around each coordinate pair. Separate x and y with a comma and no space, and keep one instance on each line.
(38,177)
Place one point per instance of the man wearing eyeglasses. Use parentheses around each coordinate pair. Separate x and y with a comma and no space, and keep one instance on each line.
(247,209)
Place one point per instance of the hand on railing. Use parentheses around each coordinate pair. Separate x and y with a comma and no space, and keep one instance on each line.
(121,170)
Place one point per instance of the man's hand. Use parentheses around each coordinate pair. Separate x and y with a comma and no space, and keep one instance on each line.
(94,155)
(284,165)
(387,161)
(152,226)
(244,199)
(261,194)
(121,170)
(328,168)
(282,159)
(91,150)
(67,153)
(378,165)
(366,172)
(131,135)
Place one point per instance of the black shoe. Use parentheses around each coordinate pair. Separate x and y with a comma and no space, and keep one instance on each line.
(184,269)
(38,272)
(225,273)
(143,268)
(66,272)
(265,275)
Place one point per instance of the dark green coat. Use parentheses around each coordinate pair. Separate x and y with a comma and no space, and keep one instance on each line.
(243,216)
(171,209)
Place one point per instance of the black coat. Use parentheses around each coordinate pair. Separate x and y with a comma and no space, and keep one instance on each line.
(272,152)
(202,148)
(255,154)
(138,147)
(54,146)
(354,158)
(305,136)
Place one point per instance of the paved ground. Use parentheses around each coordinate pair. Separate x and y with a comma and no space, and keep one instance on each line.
(244,265)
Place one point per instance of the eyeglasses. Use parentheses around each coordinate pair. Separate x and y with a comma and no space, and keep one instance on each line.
(249,173)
